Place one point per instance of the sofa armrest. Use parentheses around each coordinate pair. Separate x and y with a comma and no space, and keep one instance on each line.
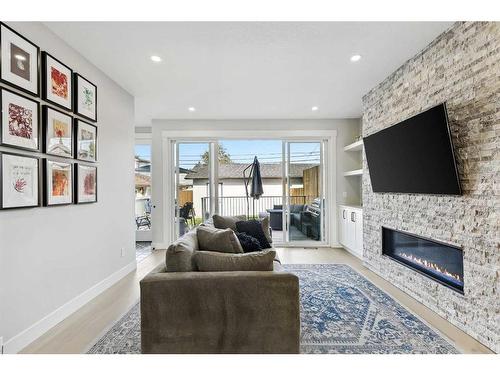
(220,312)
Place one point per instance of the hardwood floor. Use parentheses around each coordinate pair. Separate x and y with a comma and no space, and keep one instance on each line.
(80,330)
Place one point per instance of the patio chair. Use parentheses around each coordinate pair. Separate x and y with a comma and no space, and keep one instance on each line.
(187,213)
(142,213)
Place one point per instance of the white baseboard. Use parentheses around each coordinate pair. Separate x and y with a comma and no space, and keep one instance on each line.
(23,339)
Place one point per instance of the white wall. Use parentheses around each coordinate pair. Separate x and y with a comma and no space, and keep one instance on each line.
(50,256)
(346,129)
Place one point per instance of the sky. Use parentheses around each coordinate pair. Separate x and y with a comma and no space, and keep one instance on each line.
(267,151)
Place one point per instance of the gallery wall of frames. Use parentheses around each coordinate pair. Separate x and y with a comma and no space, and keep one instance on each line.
(50,113)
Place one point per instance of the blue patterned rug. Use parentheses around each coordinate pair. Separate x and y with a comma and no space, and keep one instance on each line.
(341,312)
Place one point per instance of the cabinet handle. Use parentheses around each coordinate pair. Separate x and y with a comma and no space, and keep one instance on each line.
(343,214)
(353,217)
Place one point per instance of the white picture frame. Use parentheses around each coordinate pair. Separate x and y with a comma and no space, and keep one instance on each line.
(58,182)
(85,96)
(58,132)
(85,141)
(57,81)
(20,181)
(19,121)
(20,61)
(86,183)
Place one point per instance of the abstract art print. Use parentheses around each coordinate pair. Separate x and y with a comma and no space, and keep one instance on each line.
(19,121)
(20,176)
(57,82)
(58,132)
(19,61)
(86,141)
(86,184)
(85,98)
(58,183)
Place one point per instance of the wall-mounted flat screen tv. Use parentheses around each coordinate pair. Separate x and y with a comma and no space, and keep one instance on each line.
(414,156)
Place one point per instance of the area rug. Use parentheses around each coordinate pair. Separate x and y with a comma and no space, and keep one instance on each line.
(341,312)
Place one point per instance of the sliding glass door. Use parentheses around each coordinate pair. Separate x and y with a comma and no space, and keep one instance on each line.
(193,191)
(234,165)
(305,217)
(210,178)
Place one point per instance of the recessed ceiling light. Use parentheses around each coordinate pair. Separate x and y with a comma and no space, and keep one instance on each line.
(191,109)
(355,58)
(314,109)
(156,58)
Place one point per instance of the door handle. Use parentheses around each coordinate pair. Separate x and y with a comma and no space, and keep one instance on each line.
(343,214)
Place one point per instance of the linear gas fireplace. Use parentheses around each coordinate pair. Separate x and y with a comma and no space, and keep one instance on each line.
(436,260)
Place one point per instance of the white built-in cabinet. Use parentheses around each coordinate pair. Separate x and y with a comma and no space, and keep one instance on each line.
(351,229)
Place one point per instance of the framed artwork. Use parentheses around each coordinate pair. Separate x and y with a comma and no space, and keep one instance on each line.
(57,132)
(56,82)
(20,121)
(58,183)
(85,141)
(20,61)
(85,96)
(20,181)
(86,184)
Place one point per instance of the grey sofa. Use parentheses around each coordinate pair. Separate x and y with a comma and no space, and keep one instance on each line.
(218,312)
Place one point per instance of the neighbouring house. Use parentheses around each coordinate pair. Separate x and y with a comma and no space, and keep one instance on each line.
(304,186)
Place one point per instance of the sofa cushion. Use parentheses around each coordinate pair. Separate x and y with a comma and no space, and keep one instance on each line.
(220,240)
(224,222)
(179,254)
(254,229)
(248,243)
(213,262)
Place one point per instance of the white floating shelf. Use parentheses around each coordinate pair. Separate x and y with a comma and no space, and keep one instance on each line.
(356,172)
(356,146)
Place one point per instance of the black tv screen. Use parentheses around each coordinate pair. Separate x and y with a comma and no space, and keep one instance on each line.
(414,156)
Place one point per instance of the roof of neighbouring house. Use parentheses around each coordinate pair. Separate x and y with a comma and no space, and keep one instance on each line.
(235,170)
(142,180)
(141,160)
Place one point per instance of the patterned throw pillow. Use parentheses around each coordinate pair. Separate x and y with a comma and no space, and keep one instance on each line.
(254,229)
(248,243)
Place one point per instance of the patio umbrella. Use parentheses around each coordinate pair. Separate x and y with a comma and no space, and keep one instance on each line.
(256,190)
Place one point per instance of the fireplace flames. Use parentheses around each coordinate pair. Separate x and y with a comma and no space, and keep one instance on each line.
(430,265)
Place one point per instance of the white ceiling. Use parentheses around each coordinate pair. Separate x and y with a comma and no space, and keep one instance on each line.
(246,70)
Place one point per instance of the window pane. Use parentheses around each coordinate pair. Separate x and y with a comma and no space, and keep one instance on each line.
(143,187)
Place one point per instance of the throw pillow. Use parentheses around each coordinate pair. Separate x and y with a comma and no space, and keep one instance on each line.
(254,229)
(214,262)
(221,240)
(179,254)
(224,222)
(266,228)
(248,243)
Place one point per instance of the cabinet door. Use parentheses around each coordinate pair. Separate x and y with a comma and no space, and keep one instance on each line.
(341,225)
(359,232)
(351,230)
(343,217)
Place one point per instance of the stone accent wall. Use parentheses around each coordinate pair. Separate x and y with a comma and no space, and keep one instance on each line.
(461,67)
